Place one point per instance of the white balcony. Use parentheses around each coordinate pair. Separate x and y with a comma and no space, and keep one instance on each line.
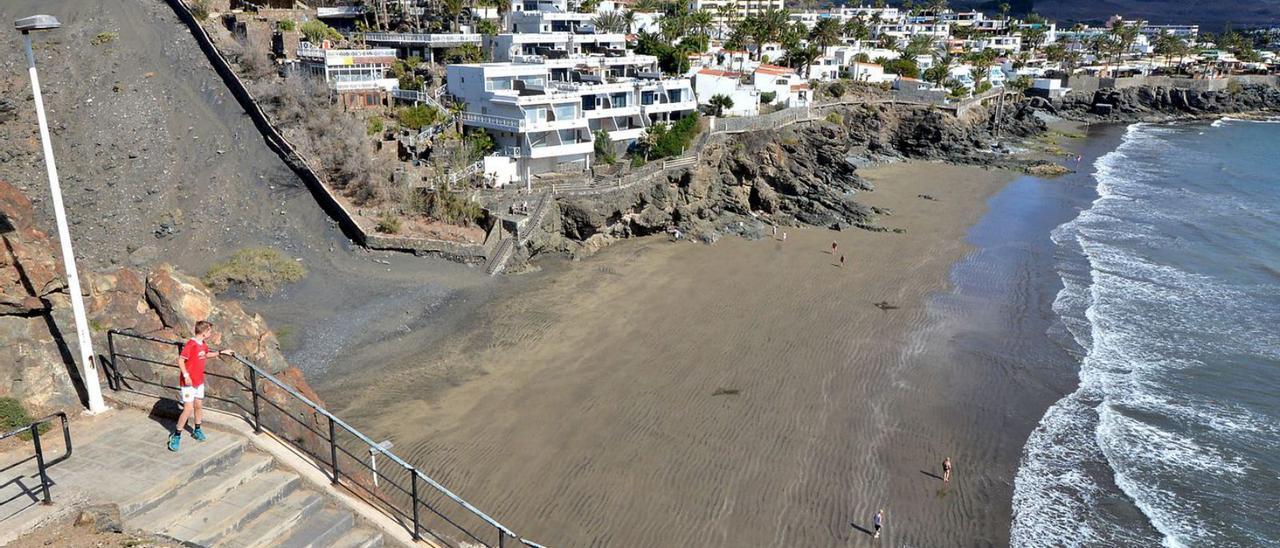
(670,107)
(586,147)
(633,110)
(521,125)
(489,121)
(626,134)
(433,40)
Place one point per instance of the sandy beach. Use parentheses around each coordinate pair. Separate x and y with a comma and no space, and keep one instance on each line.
(746,392)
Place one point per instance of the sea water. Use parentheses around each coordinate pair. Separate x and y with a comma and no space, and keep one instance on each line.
(1171,289)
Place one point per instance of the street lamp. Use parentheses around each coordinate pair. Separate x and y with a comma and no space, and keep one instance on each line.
(91,385)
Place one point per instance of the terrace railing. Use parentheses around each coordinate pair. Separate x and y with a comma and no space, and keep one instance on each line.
(33,429)
(140,363)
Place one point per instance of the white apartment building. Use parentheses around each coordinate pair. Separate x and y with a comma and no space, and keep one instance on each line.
(511,47)
(903,32)
(358,76)
(740,8)
(843,15)
(543,113)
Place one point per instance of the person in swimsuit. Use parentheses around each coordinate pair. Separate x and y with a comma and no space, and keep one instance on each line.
(946,470)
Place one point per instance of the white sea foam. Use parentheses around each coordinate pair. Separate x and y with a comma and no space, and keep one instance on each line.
(1122,414)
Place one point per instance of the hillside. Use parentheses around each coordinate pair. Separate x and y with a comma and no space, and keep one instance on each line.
(1211,17)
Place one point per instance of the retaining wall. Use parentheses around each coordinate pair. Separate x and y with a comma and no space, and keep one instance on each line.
(298,163)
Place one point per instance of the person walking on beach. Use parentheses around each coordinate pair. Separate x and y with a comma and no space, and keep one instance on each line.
(842,261)
(946,470)
(191,386)
(878,522)
(834,246)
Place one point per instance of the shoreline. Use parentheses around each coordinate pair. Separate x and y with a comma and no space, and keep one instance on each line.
(661,393)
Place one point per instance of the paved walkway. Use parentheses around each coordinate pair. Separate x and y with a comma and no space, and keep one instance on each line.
(221,492)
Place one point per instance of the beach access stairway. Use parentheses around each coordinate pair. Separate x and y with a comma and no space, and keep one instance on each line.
(225,491)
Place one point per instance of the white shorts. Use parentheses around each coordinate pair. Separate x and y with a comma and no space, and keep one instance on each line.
(191,393)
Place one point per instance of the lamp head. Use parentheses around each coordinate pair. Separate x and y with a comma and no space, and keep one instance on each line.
(37,22)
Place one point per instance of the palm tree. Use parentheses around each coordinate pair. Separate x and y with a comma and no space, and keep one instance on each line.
(826,33)
(726,13)
(629,17)
(982,62)
(1004,10)
(611,21)
(700,22)
(940,71)
(454,9)
(856,29)
(804,56)
(720,102)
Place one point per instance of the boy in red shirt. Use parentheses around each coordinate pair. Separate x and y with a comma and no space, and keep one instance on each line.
(191,386)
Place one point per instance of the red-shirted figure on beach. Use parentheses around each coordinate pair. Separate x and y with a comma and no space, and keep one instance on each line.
(191,384)
(834,246)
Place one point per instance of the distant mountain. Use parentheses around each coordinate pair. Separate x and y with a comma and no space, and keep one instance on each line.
(1210,15)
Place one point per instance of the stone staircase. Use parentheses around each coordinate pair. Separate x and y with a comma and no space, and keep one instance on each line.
(239,498)
(220,492)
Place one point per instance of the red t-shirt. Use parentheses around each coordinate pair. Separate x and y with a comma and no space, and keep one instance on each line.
(194,351)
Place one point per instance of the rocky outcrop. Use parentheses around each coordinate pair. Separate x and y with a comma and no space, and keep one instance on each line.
(1155,103)
(800,174)
(37,362)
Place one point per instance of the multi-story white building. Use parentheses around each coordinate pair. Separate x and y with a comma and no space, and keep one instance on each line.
(544,114)
(738,8)
(358,76)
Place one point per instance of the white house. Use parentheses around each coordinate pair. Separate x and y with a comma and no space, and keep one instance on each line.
(359,76)
(709,82)
(543,114)
(789,89)
(870,73)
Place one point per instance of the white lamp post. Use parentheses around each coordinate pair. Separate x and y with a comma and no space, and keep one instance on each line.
(91,384)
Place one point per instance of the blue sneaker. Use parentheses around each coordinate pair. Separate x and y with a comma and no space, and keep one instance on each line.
(198,434)
(174,440)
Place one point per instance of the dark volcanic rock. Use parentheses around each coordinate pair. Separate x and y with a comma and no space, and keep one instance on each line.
(1161,103)
(804,173)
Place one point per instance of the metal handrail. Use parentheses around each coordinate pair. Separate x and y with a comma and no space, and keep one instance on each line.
(34,428)
(256,372)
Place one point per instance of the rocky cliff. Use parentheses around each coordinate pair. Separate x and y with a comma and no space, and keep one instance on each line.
(800,174)
(1159,103)
(36,358)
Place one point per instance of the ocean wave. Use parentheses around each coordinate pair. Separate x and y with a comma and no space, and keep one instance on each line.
(1142,325)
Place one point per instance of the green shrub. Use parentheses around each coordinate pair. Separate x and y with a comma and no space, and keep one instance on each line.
(200,9)
(835,118)
(419,116)
(479,144)
(374,126)
(836,90)
(286,25)
(982,87)
(604,148)
(449,207)
(1234,87)
(254,270)
(388,223)
(103,38)
(668,140)
(315,31)
(768,97)
(13,415)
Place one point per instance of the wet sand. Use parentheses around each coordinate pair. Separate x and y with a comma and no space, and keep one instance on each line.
(747,392)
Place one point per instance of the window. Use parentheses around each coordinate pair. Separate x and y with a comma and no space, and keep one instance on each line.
(618,99)
(566,112)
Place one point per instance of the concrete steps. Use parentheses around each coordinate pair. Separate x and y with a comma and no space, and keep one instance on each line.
(237,497)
